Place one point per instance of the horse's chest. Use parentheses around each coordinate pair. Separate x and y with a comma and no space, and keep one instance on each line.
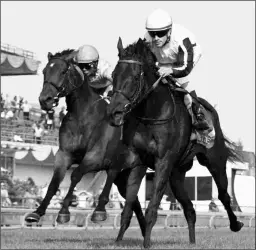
(145,142)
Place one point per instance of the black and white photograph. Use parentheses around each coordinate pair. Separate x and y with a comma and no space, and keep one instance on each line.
(127,125)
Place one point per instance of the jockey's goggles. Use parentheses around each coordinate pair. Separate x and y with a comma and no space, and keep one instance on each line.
(88,66)
(160,33)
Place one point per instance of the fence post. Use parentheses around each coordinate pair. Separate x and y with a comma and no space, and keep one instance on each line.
(166,220)
(250,221)
(211,220)
(115,221)
(86,220)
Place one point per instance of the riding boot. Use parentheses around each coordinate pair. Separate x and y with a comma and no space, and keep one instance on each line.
(198,119)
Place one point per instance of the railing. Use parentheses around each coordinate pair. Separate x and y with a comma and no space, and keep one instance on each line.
(48,139)
(81,219)
(18,51)
(11,128)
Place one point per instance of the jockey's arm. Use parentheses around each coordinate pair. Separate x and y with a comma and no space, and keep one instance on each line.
(184,59)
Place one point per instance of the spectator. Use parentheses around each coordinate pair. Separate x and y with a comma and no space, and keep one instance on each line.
(213,207)
(26,110)
(9,115)
(85,200)
(38,133)
(56,200)
(17,138)
(2,101)
(21,99)
(62,114)
(50,119)
(7,102)
(5,200)
(165,205)
(30,198)
(116,203)
(42,119)
(14,105)
(3,114)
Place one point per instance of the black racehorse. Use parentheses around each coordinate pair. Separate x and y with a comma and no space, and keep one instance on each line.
(85,136)
(157,129)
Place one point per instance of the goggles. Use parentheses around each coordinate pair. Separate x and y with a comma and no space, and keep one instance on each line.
(88,66)
(160,33)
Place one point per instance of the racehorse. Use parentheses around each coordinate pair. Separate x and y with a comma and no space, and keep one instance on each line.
(85,136)
(157,129)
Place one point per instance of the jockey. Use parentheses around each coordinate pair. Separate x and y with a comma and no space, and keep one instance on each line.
(92,66)
(177,54)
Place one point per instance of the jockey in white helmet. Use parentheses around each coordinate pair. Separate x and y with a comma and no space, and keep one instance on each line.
(177,53)
(88,60)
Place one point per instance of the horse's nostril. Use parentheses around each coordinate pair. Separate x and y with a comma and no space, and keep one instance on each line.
(48,99)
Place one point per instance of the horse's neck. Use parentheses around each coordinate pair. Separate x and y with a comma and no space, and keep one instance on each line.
(158,105)
(79,99)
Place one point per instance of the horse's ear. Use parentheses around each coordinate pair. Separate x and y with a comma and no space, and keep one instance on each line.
(49,56)
(140,45)
(120,46)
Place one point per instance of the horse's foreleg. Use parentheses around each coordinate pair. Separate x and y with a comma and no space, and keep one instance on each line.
(64,214)
(176,180)
(219,175)
(133,184)
(62,163)
(121,183)
(162,171)
(100,214)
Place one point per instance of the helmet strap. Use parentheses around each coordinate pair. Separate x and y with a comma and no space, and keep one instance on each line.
(167,40)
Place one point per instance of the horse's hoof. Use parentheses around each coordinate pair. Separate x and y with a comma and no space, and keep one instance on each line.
(237,226)
(99,216)
(32,217)
(146,245)
(118,240)
(63,218)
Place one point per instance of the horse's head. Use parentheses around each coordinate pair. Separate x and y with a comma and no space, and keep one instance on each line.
(136,63)
(61,77)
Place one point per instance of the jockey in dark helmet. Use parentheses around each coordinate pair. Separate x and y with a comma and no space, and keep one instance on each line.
(177,54)
(92,66)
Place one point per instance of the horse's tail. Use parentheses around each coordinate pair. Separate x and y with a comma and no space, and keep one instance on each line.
(233,154)
(230,148)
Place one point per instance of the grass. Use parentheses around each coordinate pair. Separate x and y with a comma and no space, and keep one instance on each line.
(172,238)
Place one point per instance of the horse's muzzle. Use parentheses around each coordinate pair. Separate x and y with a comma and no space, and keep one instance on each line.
(116,119)
(47,103)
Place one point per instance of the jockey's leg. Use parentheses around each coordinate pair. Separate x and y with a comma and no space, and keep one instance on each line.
(200,122)
(194,108)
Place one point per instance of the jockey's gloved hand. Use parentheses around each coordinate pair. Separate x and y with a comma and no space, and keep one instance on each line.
(165,71)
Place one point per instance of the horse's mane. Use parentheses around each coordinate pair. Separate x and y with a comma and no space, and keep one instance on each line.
(63,53)
(145,55)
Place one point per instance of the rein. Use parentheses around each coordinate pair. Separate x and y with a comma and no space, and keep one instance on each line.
(133,104)
(62,90)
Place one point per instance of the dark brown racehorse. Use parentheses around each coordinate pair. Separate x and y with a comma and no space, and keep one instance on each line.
(157,129)
(85,137)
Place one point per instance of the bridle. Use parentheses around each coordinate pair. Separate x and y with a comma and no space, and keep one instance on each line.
(68,85)
(135,100)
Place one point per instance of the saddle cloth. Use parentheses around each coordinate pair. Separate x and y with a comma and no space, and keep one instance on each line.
(205,137)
